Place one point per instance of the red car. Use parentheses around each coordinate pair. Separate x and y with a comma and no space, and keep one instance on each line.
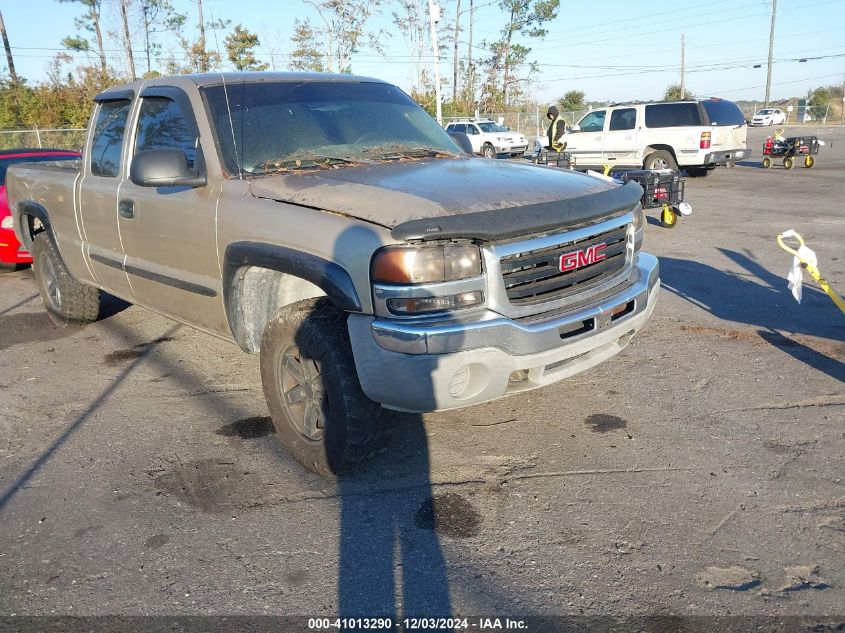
(11,252)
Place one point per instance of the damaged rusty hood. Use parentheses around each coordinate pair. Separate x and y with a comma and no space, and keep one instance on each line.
(467,197)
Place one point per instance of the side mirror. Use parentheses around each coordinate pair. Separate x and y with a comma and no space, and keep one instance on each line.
(164,168)
(575,128)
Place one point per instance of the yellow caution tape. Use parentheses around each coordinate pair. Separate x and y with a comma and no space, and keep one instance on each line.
(810,266)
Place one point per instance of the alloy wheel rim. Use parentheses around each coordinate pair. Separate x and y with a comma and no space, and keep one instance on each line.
(50,281)
(300,384)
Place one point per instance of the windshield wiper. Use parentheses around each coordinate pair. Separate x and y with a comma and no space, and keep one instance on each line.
(309,161)
(396,152)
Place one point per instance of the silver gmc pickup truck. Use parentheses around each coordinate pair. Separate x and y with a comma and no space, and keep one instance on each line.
(329,224)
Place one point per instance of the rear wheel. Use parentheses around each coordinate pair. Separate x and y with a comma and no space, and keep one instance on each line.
(661,159)
(788,163)
(321,415)
(809,161)
(67,301)
(488,151)
(767,162)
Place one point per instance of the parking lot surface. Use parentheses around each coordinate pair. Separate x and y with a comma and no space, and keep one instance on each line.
(700,472)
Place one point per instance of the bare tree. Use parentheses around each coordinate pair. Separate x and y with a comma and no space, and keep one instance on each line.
(10,61)
(345,22)
(89,21)
(127,39)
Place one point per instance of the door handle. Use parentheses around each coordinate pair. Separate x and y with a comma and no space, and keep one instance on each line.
(126,208)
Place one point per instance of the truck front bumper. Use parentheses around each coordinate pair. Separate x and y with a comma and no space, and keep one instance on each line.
(419,368)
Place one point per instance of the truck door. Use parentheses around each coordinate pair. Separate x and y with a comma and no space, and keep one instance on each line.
(168,233)
(585,144)
(620,140)
(98,193)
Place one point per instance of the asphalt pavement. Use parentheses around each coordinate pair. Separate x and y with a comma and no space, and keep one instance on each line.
(698,473)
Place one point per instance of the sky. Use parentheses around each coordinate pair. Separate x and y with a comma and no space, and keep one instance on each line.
(615,50)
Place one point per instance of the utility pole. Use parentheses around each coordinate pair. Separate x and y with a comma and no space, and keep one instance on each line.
(455,56)
(771,50)
(470,67)
(683,46)
(8,48)
(203,60)
(434,18)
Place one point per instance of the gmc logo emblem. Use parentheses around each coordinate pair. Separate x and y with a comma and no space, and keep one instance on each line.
(579,259)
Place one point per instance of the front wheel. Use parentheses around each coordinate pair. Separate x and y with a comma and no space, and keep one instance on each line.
(788,163)
(321,415)
(68,302)
(809,161)
(767,162)
(488,151)
(661,159)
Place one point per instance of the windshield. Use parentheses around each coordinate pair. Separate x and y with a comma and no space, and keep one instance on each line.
(300,125)
(765,112)
(492,127)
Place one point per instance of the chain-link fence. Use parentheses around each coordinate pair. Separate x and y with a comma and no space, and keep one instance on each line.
(796,114)
(531,124)
(65,138)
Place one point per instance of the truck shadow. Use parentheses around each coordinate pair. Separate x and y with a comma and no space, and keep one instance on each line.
(760,298)
(390,560)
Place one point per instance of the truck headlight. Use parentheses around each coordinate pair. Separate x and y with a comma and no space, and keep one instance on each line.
(425,264)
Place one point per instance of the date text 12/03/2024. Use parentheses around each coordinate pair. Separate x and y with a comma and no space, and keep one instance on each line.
(417,624)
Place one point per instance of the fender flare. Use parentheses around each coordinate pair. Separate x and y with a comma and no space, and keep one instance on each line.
(331,278)
(32,208)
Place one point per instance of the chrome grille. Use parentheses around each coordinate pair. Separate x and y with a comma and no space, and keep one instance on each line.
(535,276)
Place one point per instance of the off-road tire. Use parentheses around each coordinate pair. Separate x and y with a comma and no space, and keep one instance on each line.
(67,301)
(488,151)
(354,427)
(657,160)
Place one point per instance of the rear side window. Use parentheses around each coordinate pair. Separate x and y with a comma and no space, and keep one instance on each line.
(162,125)
(108,137)
(725,113)
(672,115)
(623,119)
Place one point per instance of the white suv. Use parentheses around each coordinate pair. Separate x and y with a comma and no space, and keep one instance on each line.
(691,135)
(488,138)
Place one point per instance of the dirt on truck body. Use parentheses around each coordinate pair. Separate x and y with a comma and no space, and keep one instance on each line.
(329,224)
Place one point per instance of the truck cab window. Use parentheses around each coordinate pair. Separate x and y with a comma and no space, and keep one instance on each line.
(593,122)
(108,138)
(162,125)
